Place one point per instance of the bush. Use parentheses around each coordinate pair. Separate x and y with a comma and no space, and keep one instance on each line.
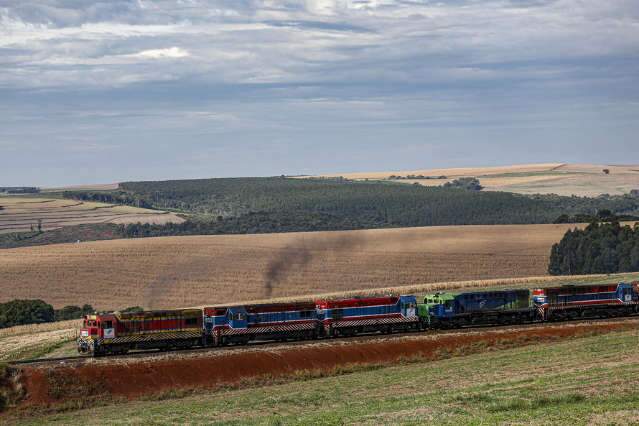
(467,183)
(132,309)
(19,312)
(72,312)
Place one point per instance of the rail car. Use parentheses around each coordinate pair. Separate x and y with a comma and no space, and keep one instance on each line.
(116,333)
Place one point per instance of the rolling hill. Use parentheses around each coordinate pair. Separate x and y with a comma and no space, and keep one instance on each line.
(546,178)
(185,271)
(19,214)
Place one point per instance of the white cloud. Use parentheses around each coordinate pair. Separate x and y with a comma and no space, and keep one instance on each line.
(304,41)
(167,53)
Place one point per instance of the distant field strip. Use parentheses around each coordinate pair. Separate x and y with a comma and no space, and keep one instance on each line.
(552,178)
(170,272)
(24,214)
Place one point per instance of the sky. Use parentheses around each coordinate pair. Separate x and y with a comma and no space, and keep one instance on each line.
(99,91)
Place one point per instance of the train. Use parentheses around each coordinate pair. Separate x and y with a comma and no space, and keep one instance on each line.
(119,332)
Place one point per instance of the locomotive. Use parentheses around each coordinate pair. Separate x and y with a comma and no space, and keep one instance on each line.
(117,333)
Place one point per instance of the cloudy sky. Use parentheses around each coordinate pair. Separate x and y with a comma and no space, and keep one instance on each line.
(96,91)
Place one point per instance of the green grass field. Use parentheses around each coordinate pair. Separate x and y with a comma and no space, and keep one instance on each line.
(589,380)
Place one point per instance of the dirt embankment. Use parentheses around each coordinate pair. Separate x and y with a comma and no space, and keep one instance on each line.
(114,379)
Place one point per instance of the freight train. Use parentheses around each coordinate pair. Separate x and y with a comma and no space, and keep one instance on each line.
(117,333)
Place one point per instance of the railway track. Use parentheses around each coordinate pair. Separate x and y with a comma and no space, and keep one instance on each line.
(70,360)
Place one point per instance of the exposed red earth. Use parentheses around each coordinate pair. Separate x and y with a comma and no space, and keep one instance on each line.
(49,385)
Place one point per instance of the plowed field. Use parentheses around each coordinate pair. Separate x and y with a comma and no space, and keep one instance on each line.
(24,214)
(185,271)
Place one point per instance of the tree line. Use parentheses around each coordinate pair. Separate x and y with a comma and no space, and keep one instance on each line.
(37,311)
(600,248)
(21,312)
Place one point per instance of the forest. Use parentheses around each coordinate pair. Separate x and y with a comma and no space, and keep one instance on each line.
(36,311)
(279,204)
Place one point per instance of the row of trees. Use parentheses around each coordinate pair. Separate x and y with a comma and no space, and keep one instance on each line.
(600,248)
(467,183)
(416,177)
(36,311)
(601,216)
(21,312)
(115,197)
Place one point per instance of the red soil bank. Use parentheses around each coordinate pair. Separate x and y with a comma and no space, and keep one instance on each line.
(139,377)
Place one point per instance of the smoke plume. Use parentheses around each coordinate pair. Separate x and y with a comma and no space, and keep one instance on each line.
(300,253)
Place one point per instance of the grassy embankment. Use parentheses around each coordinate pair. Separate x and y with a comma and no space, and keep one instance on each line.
(589,380)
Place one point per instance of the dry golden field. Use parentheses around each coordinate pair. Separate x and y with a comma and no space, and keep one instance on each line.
(557,178)
(25,341)
(22,213)
(189,271)
(89,187)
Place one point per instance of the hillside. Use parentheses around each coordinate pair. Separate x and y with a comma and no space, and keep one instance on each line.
(286,204)
(19,214)
(484,383)
(181,271)
(551,178)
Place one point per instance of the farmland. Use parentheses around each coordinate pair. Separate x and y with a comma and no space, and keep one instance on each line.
(24,213)
(185,271)
(36,340)
(57,338)
(551,178)
(507,386)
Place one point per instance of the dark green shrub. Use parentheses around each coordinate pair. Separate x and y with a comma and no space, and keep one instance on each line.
(19,312)
(72,312)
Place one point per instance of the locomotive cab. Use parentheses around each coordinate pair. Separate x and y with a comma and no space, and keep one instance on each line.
(89,333)
(434,307)
(90,326)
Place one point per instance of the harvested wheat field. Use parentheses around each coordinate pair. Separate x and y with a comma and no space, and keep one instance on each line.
(35,340)
(185,271)
(24,213)
(547,178)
